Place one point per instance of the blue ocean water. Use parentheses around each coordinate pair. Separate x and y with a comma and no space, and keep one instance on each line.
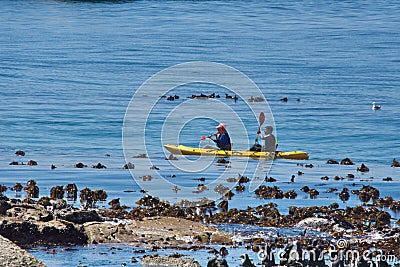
(68,70)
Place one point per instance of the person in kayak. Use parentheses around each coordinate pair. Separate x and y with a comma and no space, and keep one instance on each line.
(270,139)
(222,139)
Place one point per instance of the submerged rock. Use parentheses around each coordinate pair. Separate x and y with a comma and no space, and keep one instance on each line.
(143,156)
(57,192)
(313,193)
(80,165)
(32,189)
(346,161)
(4,206)
(331,161)
(243,179)
(305,189)
(99,166)
(270,179)
(344,195)
(291,194)
(222,161)
(99,195)
(20,153)
(366,193)
(269,192)
(221,189)
(32,163)
(171,157)
(240,188)
(129,166)
(115,204)
(3,189)
(72,191)
(86,197)
(256,99)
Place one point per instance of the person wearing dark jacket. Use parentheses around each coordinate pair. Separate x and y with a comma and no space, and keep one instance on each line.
(222,139)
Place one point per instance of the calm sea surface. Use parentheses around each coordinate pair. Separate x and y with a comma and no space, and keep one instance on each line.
(68,70)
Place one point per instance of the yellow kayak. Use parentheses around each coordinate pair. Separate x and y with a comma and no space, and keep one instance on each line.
(185,150)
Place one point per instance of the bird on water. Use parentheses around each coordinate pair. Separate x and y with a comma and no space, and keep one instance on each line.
(246,262)
(376,107)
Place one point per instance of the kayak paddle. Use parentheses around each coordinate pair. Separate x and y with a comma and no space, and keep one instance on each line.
(261,120)
(203,138)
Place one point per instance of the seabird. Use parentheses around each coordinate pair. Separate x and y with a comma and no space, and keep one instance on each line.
(223,252)
(375,107)
(175,189)
(246,262)
(217,262)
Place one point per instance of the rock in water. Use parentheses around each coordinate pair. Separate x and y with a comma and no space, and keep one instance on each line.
(346,161)
(32,163)
(129,165)
(20,153)
(80,165)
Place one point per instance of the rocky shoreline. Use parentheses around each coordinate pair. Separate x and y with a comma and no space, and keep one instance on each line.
(33,224)
(12,255)
(155,224)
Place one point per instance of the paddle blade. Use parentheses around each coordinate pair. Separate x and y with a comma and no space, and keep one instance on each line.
(261,118)
(203,138)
